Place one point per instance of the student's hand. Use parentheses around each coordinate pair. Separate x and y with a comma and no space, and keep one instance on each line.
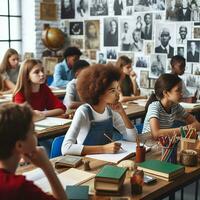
(38,115)
(133,76)
(195,125)
(38,157)
(113,147)
(117,107)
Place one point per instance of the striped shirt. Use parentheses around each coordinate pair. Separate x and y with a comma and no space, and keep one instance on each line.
(156,110)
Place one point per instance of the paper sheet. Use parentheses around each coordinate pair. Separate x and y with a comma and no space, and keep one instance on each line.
(52,121)
(70,177)
(129,147)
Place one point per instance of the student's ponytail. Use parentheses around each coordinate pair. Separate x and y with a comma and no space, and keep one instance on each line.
(151,99)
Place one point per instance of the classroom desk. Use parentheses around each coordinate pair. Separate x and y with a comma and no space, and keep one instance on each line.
(134,111)
(52,131)
(60,93)
(159,190)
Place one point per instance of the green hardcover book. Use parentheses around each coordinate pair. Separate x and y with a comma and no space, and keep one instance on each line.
(77,192)
(68,161)
(111,173)
(161,168)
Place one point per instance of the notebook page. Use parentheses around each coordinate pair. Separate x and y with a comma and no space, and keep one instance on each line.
(52,121)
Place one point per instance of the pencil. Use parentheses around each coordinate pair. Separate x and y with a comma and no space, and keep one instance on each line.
(112,140)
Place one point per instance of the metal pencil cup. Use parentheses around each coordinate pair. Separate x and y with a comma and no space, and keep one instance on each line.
(169,154)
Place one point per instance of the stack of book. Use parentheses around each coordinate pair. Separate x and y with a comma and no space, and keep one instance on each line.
(162,169)
(109,180)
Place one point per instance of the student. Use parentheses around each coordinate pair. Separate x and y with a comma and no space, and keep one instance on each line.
(164,108)
(128,85)
(63,74)
(19,141)
(9,69)
(98,86)
(72,99)
(178,68)
(31,87)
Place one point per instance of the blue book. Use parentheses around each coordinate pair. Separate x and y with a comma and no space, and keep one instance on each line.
(79,192)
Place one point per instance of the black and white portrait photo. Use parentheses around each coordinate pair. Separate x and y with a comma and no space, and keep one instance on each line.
(181,51)
(171,10)
(193,50)
(126,34)
(111,54)
(144,79)
(148,47)
(92,40)
(165,39)
(183,32)
(101,58)
(146,33)
(149,5)
(157,66)
(67,9)
(196,32)
(76,28)
(82,9)
(98,7)
(141,61)
(110,31)
(118,7)
(137,42)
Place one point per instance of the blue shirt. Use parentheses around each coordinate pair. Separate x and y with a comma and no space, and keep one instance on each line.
(62,75)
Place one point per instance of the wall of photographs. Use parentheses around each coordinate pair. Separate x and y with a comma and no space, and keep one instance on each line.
(148,31)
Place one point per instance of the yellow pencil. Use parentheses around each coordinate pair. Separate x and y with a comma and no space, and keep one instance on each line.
(112,140)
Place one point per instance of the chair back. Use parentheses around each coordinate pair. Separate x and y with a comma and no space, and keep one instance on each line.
(56,146)
(139,128)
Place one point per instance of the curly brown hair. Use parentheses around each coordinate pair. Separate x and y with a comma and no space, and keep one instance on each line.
(95,80)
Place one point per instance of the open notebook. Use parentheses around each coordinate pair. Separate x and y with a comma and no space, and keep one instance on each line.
(129,149)
(50,122)
(70,177)
(190,105)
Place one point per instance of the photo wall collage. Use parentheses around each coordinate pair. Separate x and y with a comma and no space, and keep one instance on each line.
(150,32)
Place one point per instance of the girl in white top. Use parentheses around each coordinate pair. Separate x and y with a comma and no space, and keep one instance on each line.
(102,114)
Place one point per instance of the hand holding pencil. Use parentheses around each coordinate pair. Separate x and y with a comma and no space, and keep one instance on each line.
(112,147)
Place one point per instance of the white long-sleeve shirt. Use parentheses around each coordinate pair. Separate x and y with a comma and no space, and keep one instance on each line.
(76,134)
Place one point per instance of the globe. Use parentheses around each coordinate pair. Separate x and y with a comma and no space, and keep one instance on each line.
(53,38)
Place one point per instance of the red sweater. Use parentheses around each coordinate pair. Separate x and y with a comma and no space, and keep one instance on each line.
(42,100)
(16,187)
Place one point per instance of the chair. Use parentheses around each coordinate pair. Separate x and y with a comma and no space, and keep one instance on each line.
(139,128)
(56,146)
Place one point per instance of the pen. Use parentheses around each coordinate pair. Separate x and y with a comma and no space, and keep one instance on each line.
(112,140)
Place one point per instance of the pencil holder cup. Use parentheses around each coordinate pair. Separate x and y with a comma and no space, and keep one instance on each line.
(140,154)
(169,154)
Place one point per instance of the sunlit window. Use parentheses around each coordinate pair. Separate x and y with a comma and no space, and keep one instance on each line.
(10,21)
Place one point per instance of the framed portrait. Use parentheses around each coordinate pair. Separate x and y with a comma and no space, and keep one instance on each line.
(28,55)
(48,11)
(48,1)
(152,83)
(49,64)
(144,79)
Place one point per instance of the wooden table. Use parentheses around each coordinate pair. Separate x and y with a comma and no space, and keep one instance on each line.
(159,190)
(60,93)
(134,111)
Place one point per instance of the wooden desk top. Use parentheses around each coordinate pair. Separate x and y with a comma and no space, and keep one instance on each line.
(60,93)
(52,131)
(150,192)
(134,110)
